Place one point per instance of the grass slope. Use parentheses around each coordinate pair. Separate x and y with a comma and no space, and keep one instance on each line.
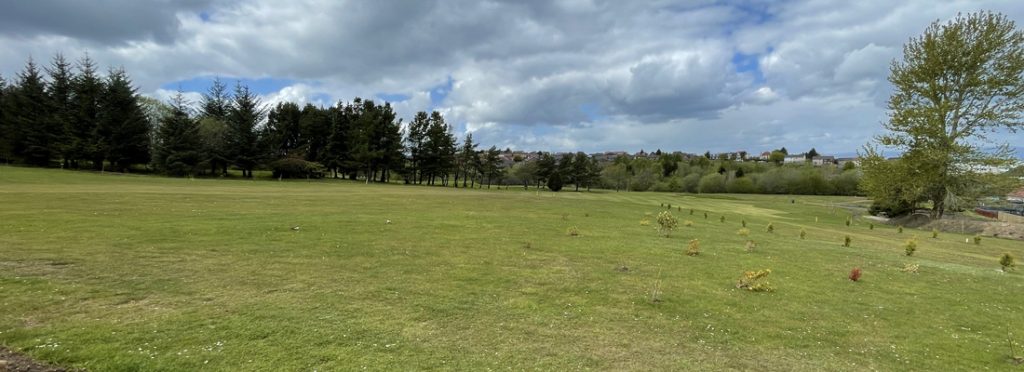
(111,272)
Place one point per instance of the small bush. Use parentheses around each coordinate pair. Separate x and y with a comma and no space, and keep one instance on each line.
(691,211)
(721,219)
(1007,261)
(849,221)
(688,223)
(803,234)
(528,245)
(656,290)
(679,209)
(871,226)
(705,215)
(935,233)
(847,240)
(855,274)
(899,229)
(669,205)
(770,228)
(667,222)
(977,240)
(910,268)
(573,231)
(910,246)
(743,223)
(693,248)
(743,232)
(755,281)
(645,222)
(750,246)
(292,167)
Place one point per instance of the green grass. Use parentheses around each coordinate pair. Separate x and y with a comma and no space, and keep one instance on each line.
(115,272)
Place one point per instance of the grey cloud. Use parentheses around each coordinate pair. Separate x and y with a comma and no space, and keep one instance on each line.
(103,21)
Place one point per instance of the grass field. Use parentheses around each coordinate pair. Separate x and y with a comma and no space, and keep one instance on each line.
(112,272)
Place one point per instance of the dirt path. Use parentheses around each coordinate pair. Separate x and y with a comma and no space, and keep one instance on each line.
(11,361)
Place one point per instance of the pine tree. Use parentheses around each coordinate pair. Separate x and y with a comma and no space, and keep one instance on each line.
(416,140)
(178,146)
(314,132)
(466,156)
(34,134)
(61,102)
(338,157)
(242,140)
(213,127)
(123,127)
(82,142)
(283,133)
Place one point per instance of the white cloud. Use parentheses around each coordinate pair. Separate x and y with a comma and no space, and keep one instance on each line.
(563,75)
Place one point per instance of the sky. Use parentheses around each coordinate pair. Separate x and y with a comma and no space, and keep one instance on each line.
(559,75)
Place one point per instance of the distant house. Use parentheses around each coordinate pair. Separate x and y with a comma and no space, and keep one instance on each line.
(766,155)
(795,159)
(842,161)
(1016,196)
(823,160)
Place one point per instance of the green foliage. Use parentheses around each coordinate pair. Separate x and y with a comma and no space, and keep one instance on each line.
(910,268)
(573,231)
(935,233)
(721,219)
(755,281)
(770,228)
(667,222)
(688,223)
(712,183)
(910,246)
(871,226)
(847,240)
(693,248)
(1007,261)
(977,240)
(744,232)
(803,234)
(293,167)
(555,182)
(849,221)
(899,229)
(743,223)
(956,84)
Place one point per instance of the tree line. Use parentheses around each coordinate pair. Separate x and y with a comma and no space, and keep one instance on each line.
(69,115)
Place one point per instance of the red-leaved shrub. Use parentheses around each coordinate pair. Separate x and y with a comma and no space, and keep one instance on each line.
(855,274)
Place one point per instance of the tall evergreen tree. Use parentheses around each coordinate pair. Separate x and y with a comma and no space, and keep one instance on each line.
(34,135)
(213,127)
(439,149)
(338,155)
(465,158)
(81,140)
(283,133)
(123,127)
(416,140)
(60,90)
(315,131)
(177,146)
(244,114)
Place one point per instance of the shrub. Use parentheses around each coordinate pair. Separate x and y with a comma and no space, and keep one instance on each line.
(849,220)
(705,215)
(721,219)
(935,233)
(693,248)
(645,222)
(846,241)
(899,229)
(750,245)
(573,231)
(871,226)
(977,240)
(743,223)
(679,209)
(667,222)
(910,268)
(803,234)
(755,281)
(770,228)
(688,223)
(855,274)
(712,183)
(910,246)
(743,232)
(1007,261)
(669,205)
(296,168)
(656,290)
(691,211)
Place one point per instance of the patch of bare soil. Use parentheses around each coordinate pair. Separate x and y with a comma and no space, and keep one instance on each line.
(963,225)
(11,361)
